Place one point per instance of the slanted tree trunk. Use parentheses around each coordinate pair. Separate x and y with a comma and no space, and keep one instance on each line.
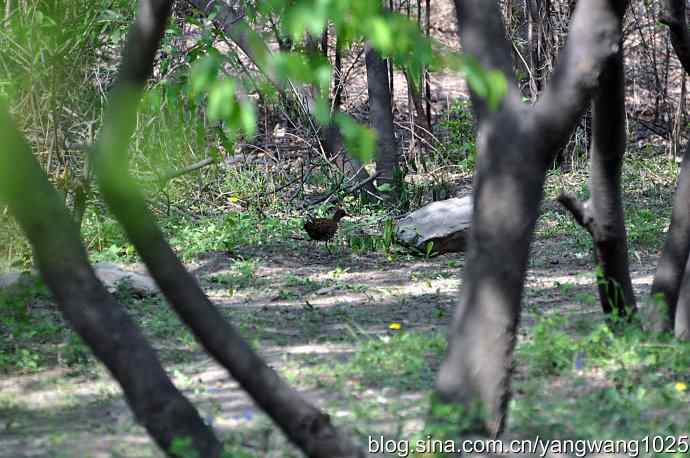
(381,116)
(305,425)
(671,287)
(515,145)
(682,317)
(669,277)
(602,214)
(87,306)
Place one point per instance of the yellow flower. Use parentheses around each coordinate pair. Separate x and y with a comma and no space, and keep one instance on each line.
(394,326)
(680,386)
(233,199)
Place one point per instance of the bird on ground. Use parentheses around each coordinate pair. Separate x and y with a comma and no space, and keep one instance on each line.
(323,229)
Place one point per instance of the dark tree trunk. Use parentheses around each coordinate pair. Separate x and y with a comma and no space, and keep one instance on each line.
(337,79)
(418,102)
(381,116)
(88,307)
(516,146)
(602,214)
(671,288)
(305,425)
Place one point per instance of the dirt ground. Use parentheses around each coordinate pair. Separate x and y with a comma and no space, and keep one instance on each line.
(303,307)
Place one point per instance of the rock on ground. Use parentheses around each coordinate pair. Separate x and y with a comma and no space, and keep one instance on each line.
(445,223)
(110,274)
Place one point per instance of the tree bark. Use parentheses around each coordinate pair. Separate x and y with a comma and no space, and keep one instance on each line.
(668,279)
(602,214)
(682,317)
(305,425)
(515,144)
(381,116)
(671,288)
(673,15)
(87,306)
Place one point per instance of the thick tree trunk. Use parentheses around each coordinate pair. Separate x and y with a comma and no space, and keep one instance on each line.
(515,147)
(602,214)
(671,288)
(88,307)
(668,279)
(381,116)
(682,323)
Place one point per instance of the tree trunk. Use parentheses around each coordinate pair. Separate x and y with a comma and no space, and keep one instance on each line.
(87,306)
(305,425)
(516,144)
(602,214)
(671,289)
(682,323)
(381,116)
(668,279)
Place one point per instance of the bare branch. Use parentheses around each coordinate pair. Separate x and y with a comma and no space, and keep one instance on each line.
(594,38)
(577,208)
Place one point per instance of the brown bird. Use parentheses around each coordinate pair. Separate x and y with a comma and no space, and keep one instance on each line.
(323,229)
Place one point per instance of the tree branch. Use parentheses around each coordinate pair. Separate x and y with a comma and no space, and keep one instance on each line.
(578,209)
(593,39)
(482,34)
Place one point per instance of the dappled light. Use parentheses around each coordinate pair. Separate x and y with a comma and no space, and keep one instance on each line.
(342,229)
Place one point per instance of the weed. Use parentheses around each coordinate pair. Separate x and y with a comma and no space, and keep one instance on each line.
(242,275)
(460,138)
(550,349)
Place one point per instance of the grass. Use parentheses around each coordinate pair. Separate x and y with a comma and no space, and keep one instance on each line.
(574,379)
(618,387)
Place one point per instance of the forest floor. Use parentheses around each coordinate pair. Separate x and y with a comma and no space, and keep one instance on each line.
(323,320)
(360,332)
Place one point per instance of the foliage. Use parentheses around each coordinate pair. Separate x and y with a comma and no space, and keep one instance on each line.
(21,330)
(550,350)
(458,126)
(402,360)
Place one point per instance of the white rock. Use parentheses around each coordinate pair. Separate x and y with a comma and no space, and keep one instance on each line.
(112,274)
(446,223)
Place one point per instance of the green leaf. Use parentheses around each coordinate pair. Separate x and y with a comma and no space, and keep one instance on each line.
(475,77)
(380,34)
(359,140)
(490,85)
(221,100)
(248,118)
(322,111)
(204,72)
(498,88)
